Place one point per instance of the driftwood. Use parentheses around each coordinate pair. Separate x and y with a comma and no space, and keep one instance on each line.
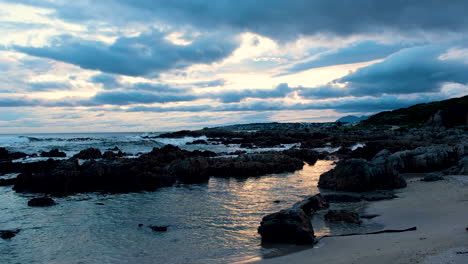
(372,233)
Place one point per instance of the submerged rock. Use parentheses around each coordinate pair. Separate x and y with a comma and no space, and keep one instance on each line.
(287,226)
(158,228)
(42,201)
(8,234)
(342,216)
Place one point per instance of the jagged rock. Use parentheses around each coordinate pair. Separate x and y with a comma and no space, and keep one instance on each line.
(8,234)
(359,175)
(90,153)
(6,155)
(110,155)
(55,153)
(42,201)
(312,204)
(426,159)
(287,226)
(342,216)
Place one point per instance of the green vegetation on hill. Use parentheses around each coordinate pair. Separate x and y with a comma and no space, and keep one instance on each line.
(454,112)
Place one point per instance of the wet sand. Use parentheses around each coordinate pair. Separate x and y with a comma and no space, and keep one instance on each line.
(439,210)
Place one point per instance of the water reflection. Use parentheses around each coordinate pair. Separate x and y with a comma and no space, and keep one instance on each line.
(215,222)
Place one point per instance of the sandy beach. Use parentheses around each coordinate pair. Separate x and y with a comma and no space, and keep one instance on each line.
(437,209)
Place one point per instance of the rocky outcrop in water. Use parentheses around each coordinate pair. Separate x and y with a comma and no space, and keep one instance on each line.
(292,225)
(287,226)
(55,153)
(158,168)
(6,155)
(90,153)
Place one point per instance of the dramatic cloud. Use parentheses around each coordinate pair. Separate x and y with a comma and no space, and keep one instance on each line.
(413,70)
(356,52)
(146,54)
(277,18)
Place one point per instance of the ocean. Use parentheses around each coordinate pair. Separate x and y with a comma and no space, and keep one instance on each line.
(210,223)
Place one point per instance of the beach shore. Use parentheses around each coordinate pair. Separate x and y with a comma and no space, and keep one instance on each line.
(437,209)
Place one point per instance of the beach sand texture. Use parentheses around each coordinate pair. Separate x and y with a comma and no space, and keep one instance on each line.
(439,210)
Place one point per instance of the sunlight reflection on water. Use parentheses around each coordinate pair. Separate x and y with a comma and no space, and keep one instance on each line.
(208,223)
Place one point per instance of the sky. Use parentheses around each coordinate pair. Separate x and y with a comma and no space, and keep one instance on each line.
(161,65)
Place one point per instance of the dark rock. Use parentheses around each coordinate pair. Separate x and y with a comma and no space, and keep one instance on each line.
(432,178)
(359,175)
(197,142)
(42,201)
(8,234)
(55,153)
(6,155)
(369,216)
(312,204)
(276,201)
(287,226)
(90,153)
(342,216)
(7,182)
(342,198)
(158,228)
(110,155)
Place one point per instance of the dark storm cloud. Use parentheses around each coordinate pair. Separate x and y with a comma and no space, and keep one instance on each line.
(278,19)
(148,53)
(354,53)
(409,71)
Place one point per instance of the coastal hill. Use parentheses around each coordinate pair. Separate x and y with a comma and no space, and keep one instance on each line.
(351,119)
(447,113)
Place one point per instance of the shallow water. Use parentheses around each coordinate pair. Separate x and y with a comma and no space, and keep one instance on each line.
(208,223)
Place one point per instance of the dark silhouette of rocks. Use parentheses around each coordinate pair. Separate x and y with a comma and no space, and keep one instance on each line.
(359,175)
(42,201)
(90,153)
(7,182)
(55,153)
(159,168)
(6,155)
(292,225)
(287,226)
